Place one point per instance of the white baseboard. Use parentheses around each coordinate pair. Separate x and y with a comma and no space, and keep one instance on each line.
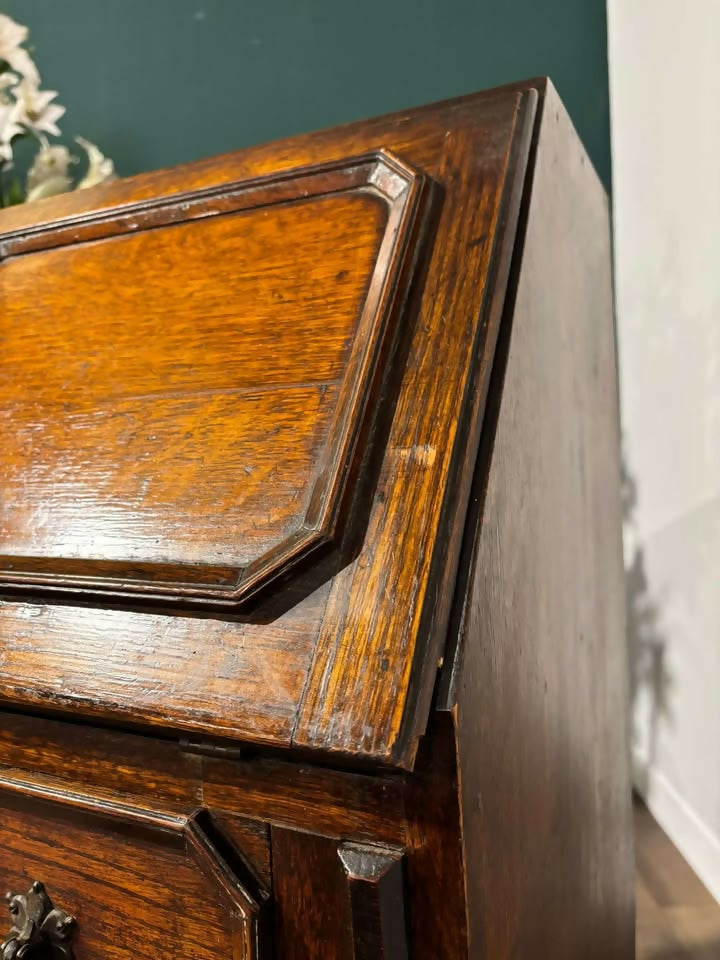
(695,841)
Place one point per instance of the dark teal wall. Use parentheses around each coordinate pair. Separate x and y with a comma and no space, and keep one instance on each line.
(158,82)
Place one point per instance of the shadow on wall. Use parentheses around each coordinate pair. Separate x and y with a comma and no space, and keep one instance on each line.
(649,677)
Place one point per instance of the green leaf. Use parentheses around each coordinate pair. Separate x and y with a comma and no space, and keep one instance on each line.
(15,193)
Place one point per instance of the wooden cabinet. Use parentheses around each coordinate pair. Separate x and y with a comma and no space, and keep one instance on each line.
(311,639)
(128,880)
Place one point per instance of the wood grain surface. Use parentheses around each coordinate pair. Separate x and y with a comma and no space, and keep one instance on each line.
(376,895)
(538,685)
(136,402)
(138,882)
(287,819)
(312,919)
(227,739)
(156,439)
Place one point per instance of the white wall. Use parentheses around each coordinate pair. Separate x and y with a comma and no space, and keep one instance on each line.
(665,112)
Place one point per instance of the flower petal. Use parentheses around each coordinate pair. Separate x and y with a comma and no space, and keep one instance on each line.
(49,188)
(100,168)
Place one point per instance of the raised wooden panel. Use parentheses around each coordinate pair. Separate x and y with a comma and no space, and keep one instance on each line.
(138,882)
(181,447)
(184,381)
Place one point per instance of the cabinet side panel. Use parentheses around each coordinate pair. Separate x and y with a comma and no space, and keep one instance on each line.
(542,688)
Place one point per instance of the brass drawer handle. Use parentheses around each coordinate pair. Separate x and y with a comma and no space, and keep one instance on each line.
(40,931)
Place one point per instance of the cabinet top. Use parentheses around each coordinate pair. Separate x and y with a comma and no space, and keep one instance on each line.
(241,404)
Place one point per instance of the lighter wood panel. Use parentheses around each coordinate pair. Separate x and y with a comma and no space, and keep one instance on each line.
(198,306)
(193,483)
(191,674)
(253,468)
(151,410)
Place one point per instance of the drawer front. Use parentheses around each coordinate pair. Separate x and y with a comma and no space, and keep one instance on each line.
(94,880)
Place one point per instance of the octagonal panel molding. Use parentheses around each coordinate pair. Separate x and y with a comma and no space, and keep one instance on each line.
(113,865)
(161,441)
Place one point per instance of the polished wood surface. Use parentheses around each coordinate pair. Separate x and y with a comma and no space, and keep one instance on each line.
(234,452)
(312,920)
(374,877)
(166,892)
(538,675)
(309,619)
(215,373)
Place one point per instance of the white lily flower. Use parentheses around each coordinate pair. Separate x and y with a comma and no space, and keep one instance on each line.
(7,79)
(12,36)
(49,173)
(38,112)
(10,116)
(100,168)
(26,109)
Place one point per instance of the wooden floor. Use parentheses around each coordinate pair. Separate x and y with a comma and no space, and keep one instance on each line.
(677,919)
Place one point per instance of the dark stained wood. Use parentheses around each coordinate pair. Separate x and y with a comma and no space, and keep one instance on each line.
(124,763)
(138,882)
(539,685)
(310,605)
(312,913)
(336,804)
(297,794)
(377,903)
(133,468)
(253,839)
(435,859)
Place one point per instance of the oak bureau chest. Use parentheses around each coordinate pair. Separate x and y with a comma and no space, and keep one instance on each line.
(311,632)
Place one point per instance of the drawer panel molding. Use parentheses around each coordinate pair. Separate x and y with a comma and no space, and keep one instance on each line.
(138,881)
